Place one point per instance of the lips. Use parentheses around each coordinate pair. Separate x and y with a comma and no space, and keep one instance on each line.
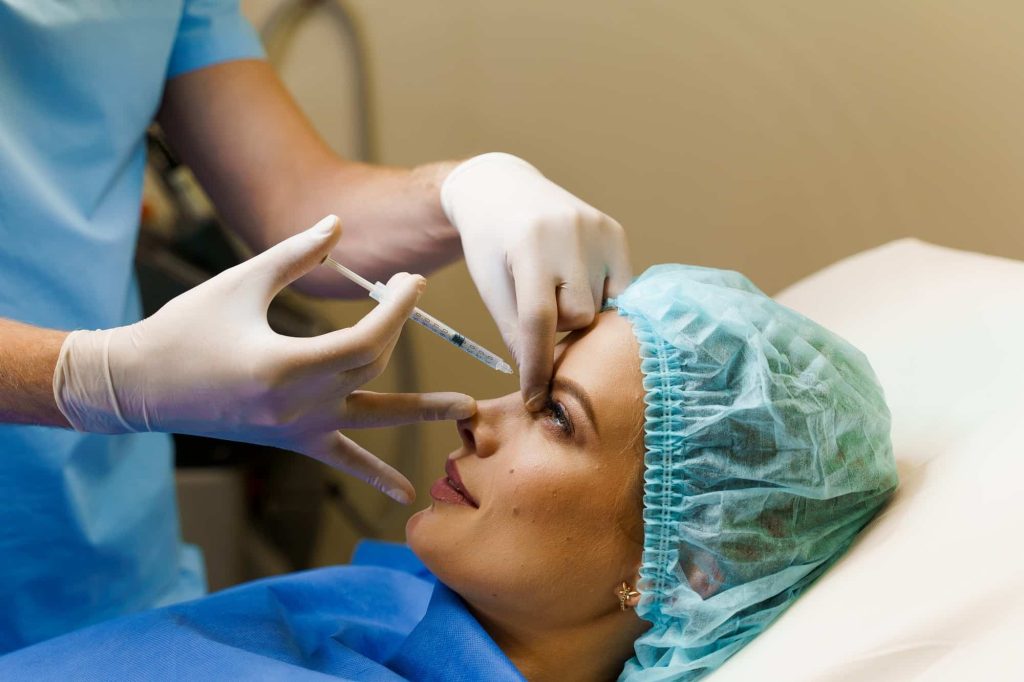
(451,489)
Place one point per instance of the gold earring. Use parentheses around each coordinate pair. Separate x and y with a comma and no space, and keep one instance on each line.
(625,592)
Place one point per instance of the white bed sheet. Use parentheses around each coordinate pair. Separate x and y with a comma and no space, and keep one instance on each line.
(934,589)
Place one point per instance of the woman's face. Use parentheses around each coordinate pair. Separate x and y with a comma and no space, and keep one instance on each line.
(551,521)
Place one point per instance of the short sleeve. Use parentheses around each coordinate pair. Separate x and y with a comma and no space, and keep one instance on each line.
(210,32)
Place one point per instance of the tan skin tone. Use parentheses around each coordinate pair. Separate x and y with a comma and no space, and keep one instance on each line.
(559,524)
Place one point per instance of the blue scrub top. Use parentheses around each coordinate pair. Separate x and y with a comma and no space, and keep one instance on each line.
(382,619)
(88,523)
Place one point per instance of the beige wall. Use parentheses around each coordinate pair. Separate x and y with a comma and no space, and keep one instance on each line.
(772,138)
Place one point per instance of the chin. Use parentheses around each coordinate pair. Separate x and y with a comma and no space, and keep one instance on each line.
(431,541)
(412,524)
(422,534)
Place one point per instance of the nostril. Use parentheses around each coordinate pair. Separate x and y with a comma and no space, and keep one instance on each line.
(466,433)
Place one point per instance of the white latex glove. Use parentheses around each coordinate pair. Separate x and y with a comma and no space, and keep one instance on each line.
(542,259)
(208,364)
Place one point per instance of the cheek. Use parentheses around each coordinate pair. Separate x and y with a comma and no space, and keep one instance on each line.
(530,520)
(550,521)
(547,525)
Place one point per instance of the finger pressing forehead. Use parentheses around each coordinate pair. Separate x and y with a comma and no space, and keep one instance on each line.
(538,319)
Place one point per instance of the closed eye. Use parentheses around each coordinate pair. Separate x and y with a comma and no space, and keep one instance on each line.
(558,416)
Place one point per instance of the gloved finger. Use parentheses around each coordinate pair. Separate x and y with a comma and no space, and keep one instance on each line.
(358,376)
(538,318)
(282,264)
(372,336)
(500,298)
(366,409)
(598,287)
(341,452)
(620,272)
(575,299)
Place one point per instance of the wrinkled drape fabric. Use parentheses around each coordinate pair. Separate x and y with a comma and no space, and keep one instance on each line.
(382,619)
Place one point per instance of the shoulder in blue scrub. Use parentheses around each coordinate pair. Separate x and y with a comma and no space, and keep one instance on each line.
(88,522)
(383,618)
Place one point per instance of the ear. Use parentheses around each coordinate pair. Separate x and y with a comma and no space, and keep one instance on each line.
(702,572)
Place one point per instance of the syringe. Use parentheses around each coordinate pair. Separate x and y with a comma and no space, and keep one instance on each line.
(428,321)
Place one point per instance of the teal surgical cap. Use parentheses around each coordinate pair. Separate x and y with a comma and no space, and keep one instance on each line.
(766,451)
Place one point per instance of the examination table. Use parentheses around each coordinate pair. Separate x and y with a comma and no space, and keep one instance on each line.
(934,588)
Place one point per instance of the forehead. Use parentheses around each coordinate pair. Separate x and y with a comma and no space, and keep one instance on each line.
(605,360)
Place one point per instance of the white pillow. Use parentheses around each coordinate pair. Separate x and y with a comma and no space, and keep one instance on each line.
(934,588)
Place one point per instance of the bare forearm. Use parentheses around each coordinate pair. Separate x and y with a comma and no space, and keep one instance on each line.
(270,175)
(391,221)
(27,358)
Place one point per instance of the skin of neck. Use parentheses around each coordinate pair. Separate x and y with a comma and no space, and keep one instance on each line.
(597,650)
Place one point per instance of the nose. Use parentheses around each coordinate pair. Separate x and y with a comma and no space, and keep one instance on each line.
(481,434)
(465,427)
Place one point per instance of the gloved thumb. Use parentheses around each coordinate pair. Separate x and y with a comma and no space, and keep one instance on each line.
(282,264)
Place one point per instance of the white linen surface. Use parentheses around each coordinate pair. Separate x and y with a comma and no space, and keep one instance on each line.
(934,588)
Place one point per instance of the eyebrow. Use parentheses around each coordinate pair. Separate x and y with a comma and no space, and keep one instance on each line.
(576,391)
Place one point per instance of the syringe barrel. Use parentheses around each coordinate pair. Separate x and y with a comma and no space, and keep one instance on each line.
(448,334)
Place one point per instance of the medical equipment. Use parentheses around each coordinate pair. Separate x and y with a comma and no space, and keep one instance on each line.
(431,323)
(766,451)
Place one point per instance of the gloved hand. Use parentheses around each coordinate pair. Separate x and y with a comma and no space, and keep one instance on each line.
(542,259)
(208,364)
